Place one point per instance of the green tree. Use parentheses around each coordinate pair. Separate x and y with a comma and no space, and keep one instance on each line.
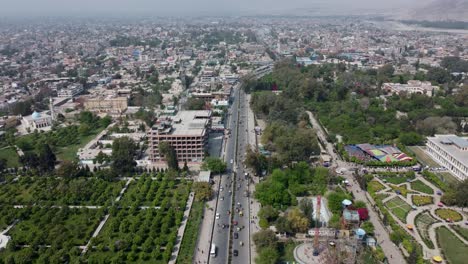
(67,170)
(268,213)
(203,191)
(123,153)
(170,155)
(47,158)
(216,165)
(265,238)
(195,104)
(267,256)
(299,222)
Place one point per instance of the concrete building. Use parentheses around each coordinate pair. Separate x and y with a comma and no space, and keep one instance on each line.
(106,105)
(70,91)
(450,151)
(187,132)
(413,86)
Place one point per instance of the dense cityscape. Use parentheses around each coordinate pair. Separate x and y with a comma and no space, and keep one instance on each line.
(233,139)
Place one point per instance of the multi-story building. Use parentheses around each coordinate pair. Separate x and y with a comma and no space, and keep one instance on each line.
(450,151)
(187,132)
(106,105)
(413,86)
(70,91)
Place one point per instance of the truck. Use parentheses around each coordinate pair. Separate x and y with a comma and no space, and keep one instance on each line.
(213,250)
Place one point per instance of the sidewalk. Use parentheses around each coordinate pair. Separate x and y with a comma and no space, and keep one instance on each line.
(204,239)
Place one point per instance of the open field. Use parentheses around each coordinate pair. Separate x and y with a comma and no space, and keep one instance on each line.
(453,249)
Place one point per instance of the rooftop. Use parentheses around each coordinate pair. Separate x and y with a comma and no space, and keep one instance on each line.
(452,144)
(185,123)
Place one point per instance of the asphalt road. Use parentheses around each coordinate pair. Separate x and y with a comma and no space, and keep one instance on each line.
(224,204)
(231,195)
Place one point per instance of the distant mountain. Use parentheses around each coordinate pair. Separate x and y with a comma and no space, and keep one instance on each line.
(439,10)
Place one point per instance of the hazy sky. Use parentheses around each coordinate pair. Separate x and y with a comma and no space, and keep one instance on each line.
(187,7)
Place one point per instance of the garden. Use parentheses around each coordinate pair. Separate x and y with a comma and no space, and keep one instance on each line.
(58,191)
(419,186)
(462,231)
(161,191)
(420,200)
(374,186)
(423,221)
(453,249)
(400,189)
(399,208)
(60,230)
(446,214)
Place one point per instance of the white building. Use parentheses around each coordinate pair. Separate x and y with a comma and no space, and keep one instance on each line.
(40,121)
(450,151)
(413,86)
(70,91)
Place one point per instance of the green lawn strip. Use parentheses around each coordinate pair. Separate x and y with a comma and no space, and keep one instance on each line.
(402,188)
(56,191)
(448,178)
(191,233)
(421,187)
(461,231)
(10,155)
(423,221)
(422,156)
(453,249)
(399,207)
(396,179)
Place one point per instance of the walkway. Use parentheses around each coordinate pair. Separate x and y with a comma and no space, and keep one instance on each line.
(181,230)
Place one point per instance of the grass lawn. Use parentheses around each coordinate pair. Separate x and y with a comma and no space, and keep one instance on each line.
(422,156)
(399,208)
(191,233)
(396,179)
(421,187)
(10,155)
(420,200)
(448,178)
(448,214)
(461,231)
(453,249)
(69,152)
(422,222)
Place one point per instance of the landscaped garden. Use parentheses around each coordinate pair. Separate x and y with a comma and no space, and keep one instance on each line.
(158,192)
(396,178)
(58,191)
(423,221)
(401,189)
(374,186)
(420,200)
(51,234)
(421,187)
(399,208)
(448,214)
(453,249)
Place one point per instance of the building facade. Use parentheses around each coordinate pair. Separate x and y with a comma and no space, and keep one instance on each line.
(450,151)
(106,105)
(413,87)
(187,132)
(70,91)
(38,121)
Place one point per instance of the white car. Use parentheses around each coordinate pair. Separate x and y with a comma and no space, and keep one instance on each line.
(221,189)
(217,216)
(232,161)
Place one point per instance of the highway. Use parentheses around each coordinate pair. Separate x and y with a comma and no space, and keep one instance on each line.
(231,193)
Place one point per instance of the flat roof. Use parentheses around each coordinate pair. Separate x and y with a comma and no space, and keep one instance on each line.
(452,144)
(189,122)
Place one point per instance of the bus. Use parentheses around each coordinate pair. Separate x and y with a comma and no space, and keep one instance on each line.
(213,250)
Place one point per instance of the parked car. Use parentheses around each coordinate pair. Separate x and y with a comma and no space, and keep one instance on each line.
(236,235)
(235,252)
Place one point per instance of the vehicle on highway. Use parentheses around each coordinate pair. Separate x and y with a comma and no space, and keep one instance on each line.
(221,189)
(235,223)
(213,250)
(241,243)
(235,252)
(236,235)
(241,213)
(217,215)
(222,198)
(232,161)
